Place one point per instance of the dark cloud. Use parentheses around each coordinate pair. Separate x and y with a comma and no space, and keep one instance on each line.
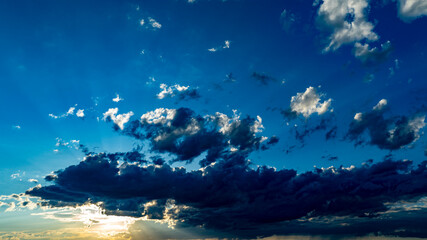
(232,195)
(188,135)
(386,133)
(263,78)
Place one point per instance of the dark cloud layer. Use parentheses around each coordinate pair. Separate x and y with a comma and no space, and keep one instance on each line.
(233,195)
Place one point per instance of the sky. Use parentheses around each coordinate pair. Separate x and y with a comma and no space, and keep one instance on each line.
(213,119)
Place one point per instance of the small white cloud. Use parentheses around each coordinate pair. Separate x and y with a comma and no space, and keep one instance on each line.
(308,102)
(32,180)
(154,23)
(160,115)
(117,98)
(212,50)
(226,44)
(380,105)
(142,22)
(358,116)
(409,10)
(17,127)
(118,119)
(80,113)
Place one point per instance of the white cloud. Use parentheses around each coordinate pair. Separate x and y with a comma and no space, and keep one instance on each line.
(80,113)
(226,45)
(142,22)
(380,105)
(409,10)
(347,21)
(68,113)
(117,98)
(358,116)
(171,90)
(154,23)
(308,102)
(32,180)
(17,127)
(118,119)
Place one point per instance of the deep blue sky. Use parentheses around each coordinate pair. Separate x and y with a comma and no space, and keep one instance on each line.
(255,57)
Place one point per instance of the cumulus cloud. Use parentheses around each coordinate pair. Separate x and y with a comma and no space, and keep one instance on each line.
(408,10)
(386,133)
(372,55)
(118,119)
(182,92)
(346,21)
(307,103)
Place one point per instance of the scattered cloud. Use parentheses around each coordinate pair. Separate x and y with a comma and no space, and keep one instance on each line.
(263,78)
(225,46)
(68,113)
(80,113)
(182,92)
(118,119)
(117,98)
(385,133)
(373,55)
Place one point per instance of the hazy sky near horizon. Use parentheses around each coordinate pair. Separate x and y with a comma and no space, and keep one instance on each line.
(213,119)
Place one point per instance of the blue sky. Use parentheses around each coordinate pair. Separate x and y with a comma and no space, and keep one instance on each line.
(331,88)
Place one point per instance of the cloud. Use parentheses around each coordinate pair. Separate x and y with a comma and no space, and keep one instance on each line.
(385,133)
(186,135)
(17,127)
(231,196)
(118,119)
(80,113)
(346,21)
(263,78)
(182,92)
(68,113)
(307,103)
(408,10)
(117,98)
(373,55)
(287,19)
(226,45)
(154,23)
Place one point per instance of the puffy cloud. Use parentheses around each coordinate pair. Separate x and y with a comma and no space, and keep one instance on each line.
(80,113)
(182,92)
(391,134)
(187,135)
(118,119)
(373,55)
(307,103)
(409,10)
(347,22)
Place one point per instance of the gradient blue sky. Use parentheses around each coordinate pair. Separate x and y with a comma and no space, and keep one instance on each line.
(56,55)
